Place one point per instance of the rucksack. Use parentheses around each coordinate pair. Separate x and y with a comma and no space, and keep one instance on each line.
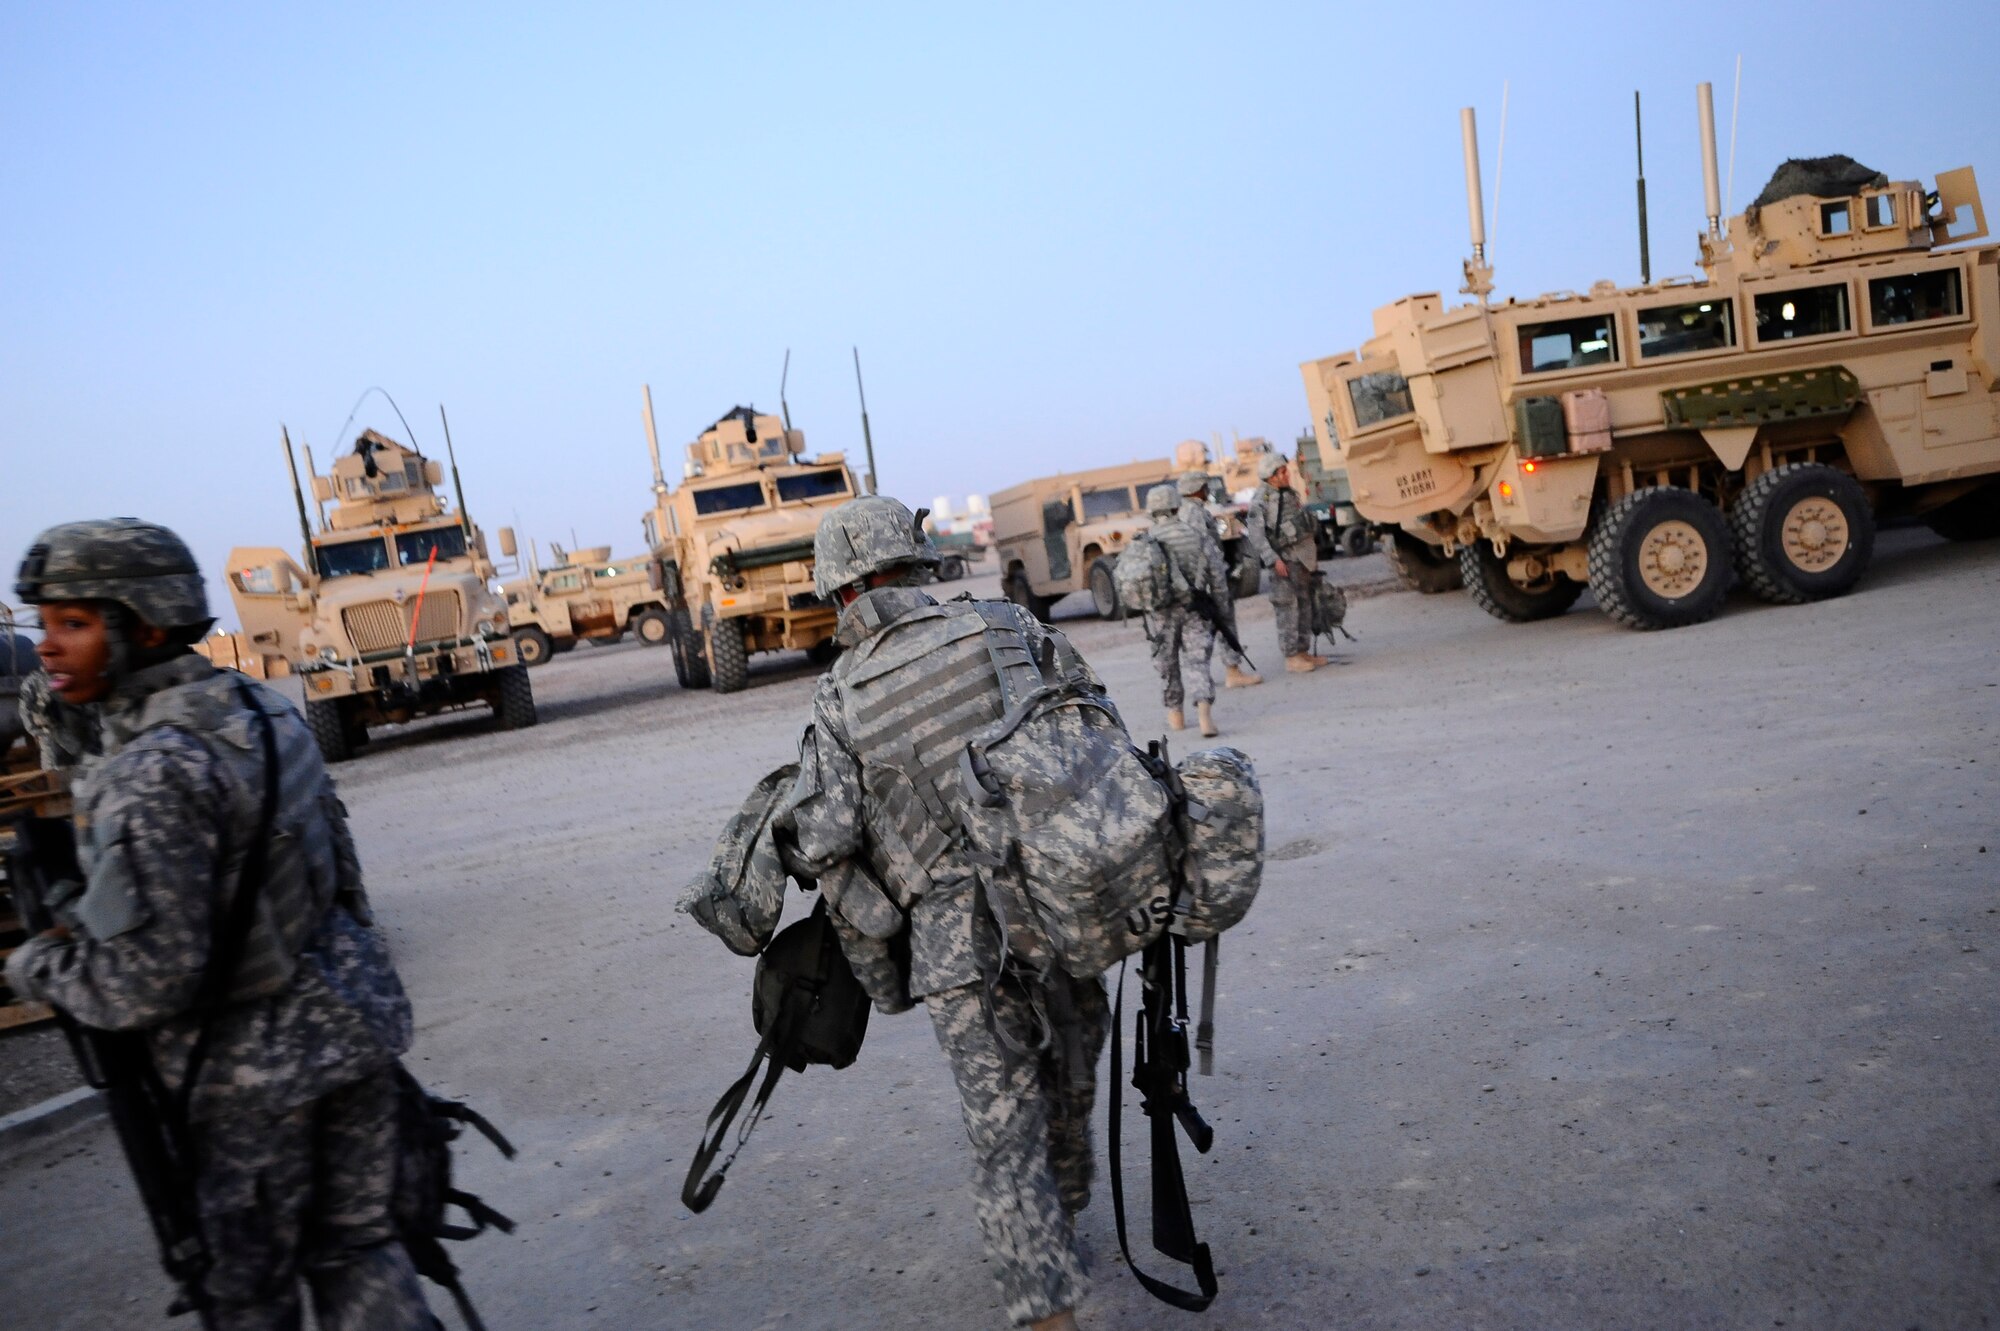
(809,1008)
(1147,578)
(1328,607)
(741,894)
(427,1125)
(1223,818)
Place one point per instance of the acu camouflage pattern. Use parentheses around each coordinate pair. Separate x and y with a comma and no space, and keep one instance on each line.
(1224,864)
(741,894)
(1278,528)
(865,536)
(1182,642)
(140,565)
(1195,513)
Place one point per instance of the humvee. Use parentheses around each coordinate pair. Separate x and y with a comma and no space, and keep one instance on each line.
(585,596)
(731,548)
(1834,362)
(1330,499)
(393,616)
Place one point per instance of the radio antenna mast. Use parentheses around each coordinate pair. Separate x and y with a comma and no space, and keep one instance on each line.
(784,406)
(1499,166)
(1735,105)
(1639,137)
(867,439)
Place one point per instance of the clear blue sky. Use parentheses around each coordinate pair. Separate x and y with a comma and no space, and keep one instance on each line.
(1062,236)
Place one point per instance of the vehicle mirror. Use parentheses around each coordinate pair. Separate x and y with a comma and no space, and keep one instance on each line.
(1056,515)
(507,546)
(433,473)
(323,489)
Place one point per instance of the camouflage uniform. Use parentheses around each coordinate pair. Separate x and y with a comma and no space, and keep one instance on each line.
(914,679)
(291,1115)
(1195,514)
(1182,641)
(1277,528)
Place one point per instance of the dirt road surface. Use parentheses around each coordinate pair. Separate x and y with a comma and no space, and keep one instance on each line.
(1600,979)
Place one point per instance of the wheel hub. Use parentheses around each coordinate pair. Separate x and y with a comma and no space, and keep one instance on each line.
(1814,534)
(1673,559)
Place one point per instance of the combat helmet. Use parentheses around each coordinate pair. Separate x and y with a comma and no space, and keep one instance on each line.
(1193,484)
(865,536)
(1267,466)
(1163,498)
(139,565)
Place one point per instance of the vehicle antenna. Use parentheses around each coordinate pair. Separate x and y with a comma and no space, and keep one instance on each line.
(653,446)
(1704,103)
(784,406)
(867,439)
(312,470)
(1499,166)
(291,465)
(1478,272)
(1639,137)
(1735,105)
(464,518)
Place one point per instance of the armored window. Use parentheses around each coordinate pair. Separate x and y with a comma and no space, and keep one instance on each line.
(1836,219)
(1807,312)
(1379,397)
(1107,503)
(568,582)
(1914,297)
(357,486)
(343,559)
(1880,210)
(1567,344)
(729,498)
(415,547)
(259,581)
(1675,330)
(828,484)
(391,482)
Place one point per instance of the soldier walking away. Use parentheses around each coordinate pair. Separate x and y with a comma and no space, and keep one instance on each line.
(1194,511)
(1181,639)
(878,791)
(1281,535)
(274,1028)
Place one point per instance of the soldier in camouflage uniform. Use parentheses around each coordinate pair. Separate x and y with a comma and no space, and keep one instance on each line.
(291,1113)
(877,787)
(1194,512)
(1281,536)
(1182,641)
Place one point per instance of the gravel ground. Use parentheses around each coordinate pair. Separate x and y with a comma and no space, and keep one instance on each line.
(1601,979)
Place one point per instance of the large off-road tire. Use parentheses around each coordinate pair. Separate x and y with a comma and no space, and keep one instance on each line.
(1803,532)
(1422,566)
(1357,541)
(1104,588)
(1660,559)
(327,720)
(950,568)
(1970,517)
(690,653)
(1246,579)
(1488,583)
(728,656)
(1016,589)
(513,698)
(534,646)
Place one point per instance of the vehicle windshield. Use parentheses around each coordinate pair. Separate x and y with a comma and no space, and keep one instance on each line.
(729,498)
(826,484)
(344,559)
(1379,397)
(415,547)
(1107,503)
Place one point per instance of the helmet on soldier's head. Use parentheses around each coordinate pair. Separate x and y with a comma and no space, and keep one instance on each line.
(1163,499)
(865,536)
(1268,465)
(139,565)
(1193,484)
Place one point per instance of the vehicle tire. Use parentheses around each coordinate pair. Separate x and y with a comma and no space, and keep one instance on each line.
(1246,579)
(1803,532)
(1422,566)
(1659,559)
(728,656)
(1017,589)
(1357,541)
(1104,588)
(564,646)
(534,646)
(514,698)
(1970,517)
(951,568)
(823,653)
(330,729)
(690,654)
(1495,591)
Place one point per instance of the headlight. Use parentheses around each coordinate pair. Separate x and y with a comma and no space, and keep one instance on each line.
(329,655)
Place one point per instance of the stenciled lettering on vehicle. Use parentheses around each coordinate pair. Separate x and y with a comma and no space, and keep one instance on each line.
(1411,484)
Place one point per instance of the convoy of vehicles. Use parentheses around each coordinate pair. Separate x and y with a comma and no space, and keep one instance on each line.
(585,596)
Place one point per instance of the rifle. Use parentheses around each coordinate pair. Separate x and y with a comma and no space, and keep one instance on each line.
(41,852)
(1204,605)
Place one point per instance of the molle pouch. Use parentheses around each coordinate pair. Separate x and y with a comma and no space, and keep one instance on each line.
(1224,867)
(739,897)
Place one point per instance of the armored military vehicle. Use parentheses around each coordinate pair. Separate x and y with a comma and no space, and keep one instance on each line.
(1330,500)
(1835,361)
(731,548)
(585,596)
(393,615)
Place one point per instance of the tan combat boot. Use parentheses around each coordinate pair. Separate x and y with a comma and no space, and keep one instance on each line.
(1207,719)
(1316,659)
(1235,677)
(1175,721)
(1302,664)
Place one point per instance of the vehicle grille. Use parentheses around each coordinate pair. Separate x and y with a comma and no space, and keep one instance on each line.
(380,626)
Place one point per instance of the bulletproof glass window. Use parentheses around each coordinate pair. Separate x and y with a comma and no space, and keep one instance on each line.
(1880,210)
(260,581)
(415,547)
(1675,330)
(344,559)
(729,498)
(828,484)
(1378,397)
(1566,344)
(1107,503)
(1836,219)
(1914,297)
(1807,312)
(391,482)
(357,486)
(566,582)
(610,571)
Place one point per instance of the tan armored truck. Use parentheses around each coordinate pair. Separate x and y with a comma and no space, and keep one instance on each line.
(1329,498)
(1836,361)
(394,615)
(586,596)
(731,548)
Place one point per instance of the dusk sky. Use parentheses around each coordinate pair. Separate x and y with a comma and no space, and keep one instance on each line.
(1061,236)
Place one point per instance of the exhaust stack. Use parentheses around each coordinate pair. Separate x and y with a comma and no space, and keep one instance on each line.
(1478,273)
(1711,184)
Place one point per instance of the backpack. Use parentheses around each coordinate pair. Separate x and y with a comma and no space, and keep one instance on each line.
(809,1008)
(427,1125)
(741,894)
(1147,578)
(1223,812)
(1328,607)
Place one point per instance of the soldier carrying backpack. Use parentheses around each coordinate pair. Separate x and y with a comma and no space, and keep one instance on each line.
(1162,573)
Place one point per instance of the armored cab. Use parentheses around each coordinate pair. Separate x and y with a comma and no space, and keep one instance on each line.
(393,615)
(585,596)
(1834,362)
(731,547)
